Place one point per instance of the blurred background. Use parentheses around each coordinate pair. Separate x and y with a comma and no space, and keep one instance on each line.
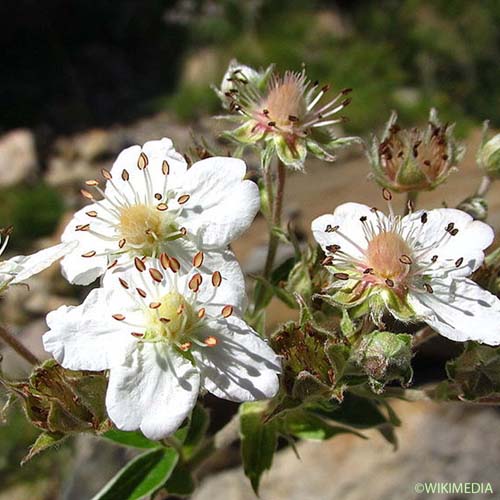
(82,80)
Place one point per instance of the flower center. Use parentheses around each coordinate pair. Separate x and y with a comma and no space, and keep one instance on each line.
(388,255)
(173,319)
(143,226)
(285,101)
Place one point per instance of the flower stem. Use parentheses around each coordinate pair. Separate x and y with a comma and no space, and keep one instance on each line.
(24,352)
(411,201)
(277,208)
(484,187)
(422,336)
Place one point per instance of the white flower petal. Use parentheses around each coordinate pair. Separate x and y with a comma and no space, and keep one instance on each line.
(154,390)
(468,244)
(241,366)
(460,310)
(347,217)
(23,267)
(86,337)
(222,204)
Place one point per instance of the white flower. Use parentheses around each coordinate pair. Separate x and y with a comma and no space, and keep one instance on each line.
(164,333)
(18,269)
(152,203)
(418,265)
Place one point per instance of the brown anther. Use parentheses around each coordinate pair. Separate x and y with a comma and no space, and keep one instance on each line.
(386,194)
(195,282)
(183,231)
(333,248)
(164,320)
(164,261)
(428,288)
(346,102)
(210,341)
(141,292)
(125,175)
(325,88)
(405,259)
(162,207)
(434,258)
(91,213)
(186,346)
(87,194)
(180,309)
(216,279)
(293,118)
(137,335)
(89,254)
(165,167)
(92,182)
(271,124)
(174,264)
(118,317)
(346,91)
(363,218)
(183,199)
(154,305)
(331,229)
(198,259)
(459,262)
(327,261)
(454,232)
(123,283)
(423,218)
(368,270)
(201,313)
(341,276)
(227,311)
(106,174)
(449,227)
(158,196)
(122,242)
(265,112)
(139,265)
(142,161)
(156,275)
(389,282)
(112,264)
(82,227)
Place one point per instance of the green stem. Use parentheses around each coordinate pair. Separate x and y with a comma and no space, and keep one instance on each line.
(411,201)
(277,208)
(24,352)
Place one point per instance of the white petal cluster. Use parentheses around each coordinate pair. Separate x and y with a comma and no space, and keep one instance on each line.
(167,320)
(422,260)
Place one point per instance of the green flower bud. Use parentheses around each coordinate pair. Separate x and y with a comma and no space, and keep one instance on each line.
(413,159)
(475,206)
(488,155)
(385,357)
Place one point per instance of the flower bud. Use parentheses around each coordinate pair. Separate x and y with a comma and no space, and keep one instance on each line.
(385,357)
(488,156)
(414,159)
(475,206)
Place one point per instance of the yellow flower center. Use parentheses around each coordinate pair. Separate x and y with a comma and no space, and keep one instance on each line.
(389,255)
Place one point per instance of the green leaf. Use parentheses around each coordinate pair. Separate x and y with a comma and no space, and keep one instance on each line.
(142,476)
(258,441)
(197,428)
(305,425)
(43,442)
(134,438)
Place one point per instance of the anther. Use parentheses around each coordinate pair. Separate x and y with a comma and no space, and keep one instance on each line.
(139,265)
(186,346)
(87,194)
(164,261)
(368,270)
(164,320)
(434,258)
(165,167)
(141,292)
(389,283)
(106,174)
(118,317)
(174,264)
(363,218)
(123,283)
(92,182)
(271,124)
(89,254)
(428,288)
(331,229)
(459,262)
(82,227)
(183,231)
(142,161)
(125,175)
(156,275)
(183,199)
(201,313)
(162,207)
(210,341)
(327,261)
(122,242)
(158,196)
(195,282)
(198,259)
(91,213)
(341,276)
(454,232)
(293,118)
(387,195)
(227,311)
(154,305)
(112,264)
(216,279)
(449,227)
(137,335)
(333,248)
(405,259)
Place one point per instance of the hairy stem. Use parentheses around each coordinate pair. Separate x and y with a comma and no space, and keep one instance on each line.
(24,352)
(484,186)
(277,208)
(411,201)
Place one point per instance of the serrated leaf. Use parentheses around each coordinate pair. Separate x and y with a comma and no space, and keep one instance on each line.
(134,439)
(141,477)
(258,442)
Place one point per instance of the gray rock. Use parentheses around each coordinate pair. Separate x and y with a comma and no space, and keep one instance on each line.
(18,159)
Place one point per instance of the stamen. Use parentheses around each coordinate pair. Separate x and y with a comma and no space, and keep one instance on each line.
(125,175)
(406,259)
(174,264)
(162,207)
(164,261)
(195,282)
(423,218)
(428,288)
(154,305)
(186,346)
(389,283)
(210,341)
(341,276)
(227,311)
(87,194)
(89,254)
(91,213)
(142,161)
(106,174)
(112,264)
(165,167)
(198,259)
(201,313)
(123,283)
(183,199)
(139,264)
(141,292)
(459,262)
(122,242)
(156,275)
(137,335)
(216,279)
(118,317)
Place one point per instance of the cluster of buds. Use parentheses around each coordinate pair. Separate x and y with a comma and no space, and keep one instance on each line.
(406,160)
(287,115)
